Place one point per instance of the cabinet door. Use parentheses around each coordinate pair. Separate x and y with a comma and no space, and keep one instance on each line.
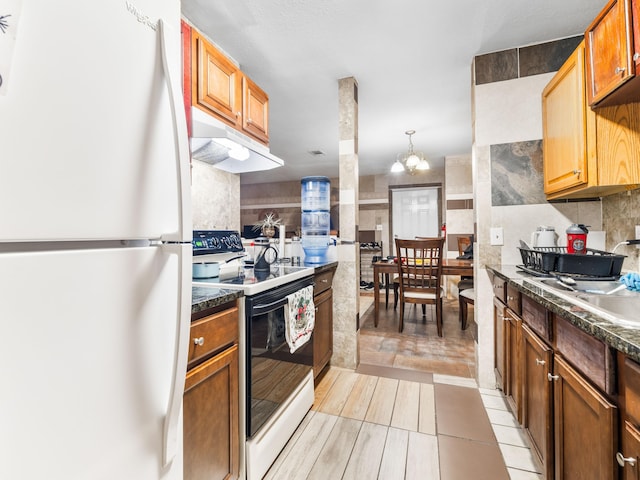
(499,343)
(513,377)
(211,436)
(585,422)
(609,44)
(564,126)
(217,80)
(629,454)
(323,331)
(536,398)
(255,110)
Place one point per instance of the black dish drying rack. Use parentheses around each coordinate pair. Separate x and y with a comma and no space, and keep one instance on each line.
(594,263)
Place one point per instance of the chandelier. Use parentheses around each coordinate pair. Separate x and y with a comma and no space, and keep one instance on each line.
(411,161)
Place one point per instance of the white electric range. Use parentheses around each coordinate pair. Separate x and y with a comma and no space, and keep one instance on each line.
(276,386)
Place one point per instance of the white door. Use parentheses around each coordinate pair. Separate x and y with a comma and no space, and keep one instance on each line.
(88,149)
(415,213)
(87,350)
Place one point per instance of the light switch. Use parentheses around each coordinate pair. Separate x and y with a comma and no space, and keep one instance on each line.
(497,236)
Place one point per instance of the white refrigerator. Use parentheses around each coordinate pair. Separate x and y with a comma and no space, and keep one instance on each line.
(95,251)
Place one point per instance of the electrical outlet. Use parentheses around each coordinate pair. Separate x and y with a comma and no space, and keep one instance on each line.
(497,236)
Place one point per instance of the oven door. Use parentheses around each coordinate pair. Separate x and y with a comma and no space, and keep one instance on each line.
(273,372)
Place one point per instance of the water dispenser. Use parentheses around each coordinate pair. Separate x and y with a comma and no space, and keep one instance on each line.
(316,221)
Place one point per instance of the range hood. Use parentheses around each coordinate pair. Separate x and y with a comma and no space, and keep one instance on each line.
(218,144)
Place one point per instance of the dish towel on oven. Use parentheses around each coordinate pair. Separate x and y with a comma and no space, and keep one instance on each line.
(300,317)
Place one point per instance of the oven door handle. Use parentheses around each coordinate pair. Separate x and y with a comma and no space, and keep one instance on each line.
(268,307)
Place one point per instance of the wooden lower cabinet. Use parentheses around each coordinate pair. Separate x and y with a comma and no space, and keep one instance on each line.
(585,427)
(629,455)
(323,331)
(211,444)
(499,310)
(513,361)
(536,398)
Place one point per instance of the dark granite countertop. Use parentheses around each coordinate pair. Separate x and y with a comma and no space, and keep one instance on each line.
(322,267)
(203,298)
(622,338)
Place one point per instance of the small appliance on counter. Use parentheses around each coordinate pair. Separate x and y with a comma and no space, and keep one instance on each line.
(544,237)
(577,238)
(266,256)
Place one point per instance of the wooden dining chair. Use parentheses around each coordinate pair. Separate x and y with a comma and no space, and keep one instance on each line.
(420,275)
(465,298)
(463,243)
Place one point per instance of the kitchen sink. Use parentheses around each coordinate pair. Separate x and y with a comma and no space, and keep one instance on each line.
(585,286)
(622,307)
(627,307)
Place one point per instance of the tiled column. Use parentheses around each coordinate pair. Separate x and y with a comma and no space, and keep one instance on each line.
(346,290)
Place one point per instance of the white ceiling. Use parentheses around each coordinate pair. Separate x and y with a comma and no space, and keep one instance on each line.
(411,59)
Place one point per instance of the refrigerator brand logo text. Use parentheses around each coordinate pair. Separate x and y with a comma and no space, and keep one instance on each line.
(142,18)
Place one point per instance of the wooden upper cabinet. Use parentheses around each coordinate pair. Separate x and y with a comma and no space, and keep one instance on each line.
(565,123)
(255,110)
(612,56)
(586,153)
(217,81)
(220,88)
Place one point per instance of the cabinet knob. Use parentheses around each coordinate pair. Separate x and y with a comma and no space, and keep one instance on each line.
(622,460)
(620,70)
(199,341)
(540,362)
(553,378)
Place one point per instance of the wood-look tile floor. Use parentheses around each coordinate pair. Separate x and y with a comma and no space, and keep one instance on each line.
(418,347)
(375,427)
(407,413)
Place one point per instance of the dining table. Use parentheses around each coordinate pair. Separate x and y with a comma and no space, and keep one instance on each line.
(450,266)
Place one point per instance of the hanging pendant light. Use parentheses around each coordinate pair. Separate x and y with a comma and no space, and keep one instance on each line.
(412,161)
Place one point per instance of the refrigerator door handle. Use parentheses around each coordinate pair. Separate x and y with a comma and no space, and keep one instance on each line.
(181,137)
(183,324)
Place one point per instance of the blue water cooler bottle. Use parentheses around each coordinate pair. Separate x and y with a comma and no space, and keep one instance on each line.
(316,193)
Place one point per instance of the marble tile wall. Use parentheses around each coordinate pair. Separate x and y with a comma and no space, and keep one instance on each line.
(516,173)
(215,198)
(347,277)
(507,128)
(524,61)
(621,213)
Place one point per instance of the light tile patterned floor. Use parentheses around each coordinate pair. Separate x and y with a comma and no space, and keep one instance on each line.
(364,426)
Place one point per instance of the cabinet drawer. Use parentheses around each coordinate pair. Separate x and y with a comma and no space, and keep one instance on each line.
(211,334)
(499,288)
(631,376)
(535,315)
(514,299)
(323,281)
(587,354)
